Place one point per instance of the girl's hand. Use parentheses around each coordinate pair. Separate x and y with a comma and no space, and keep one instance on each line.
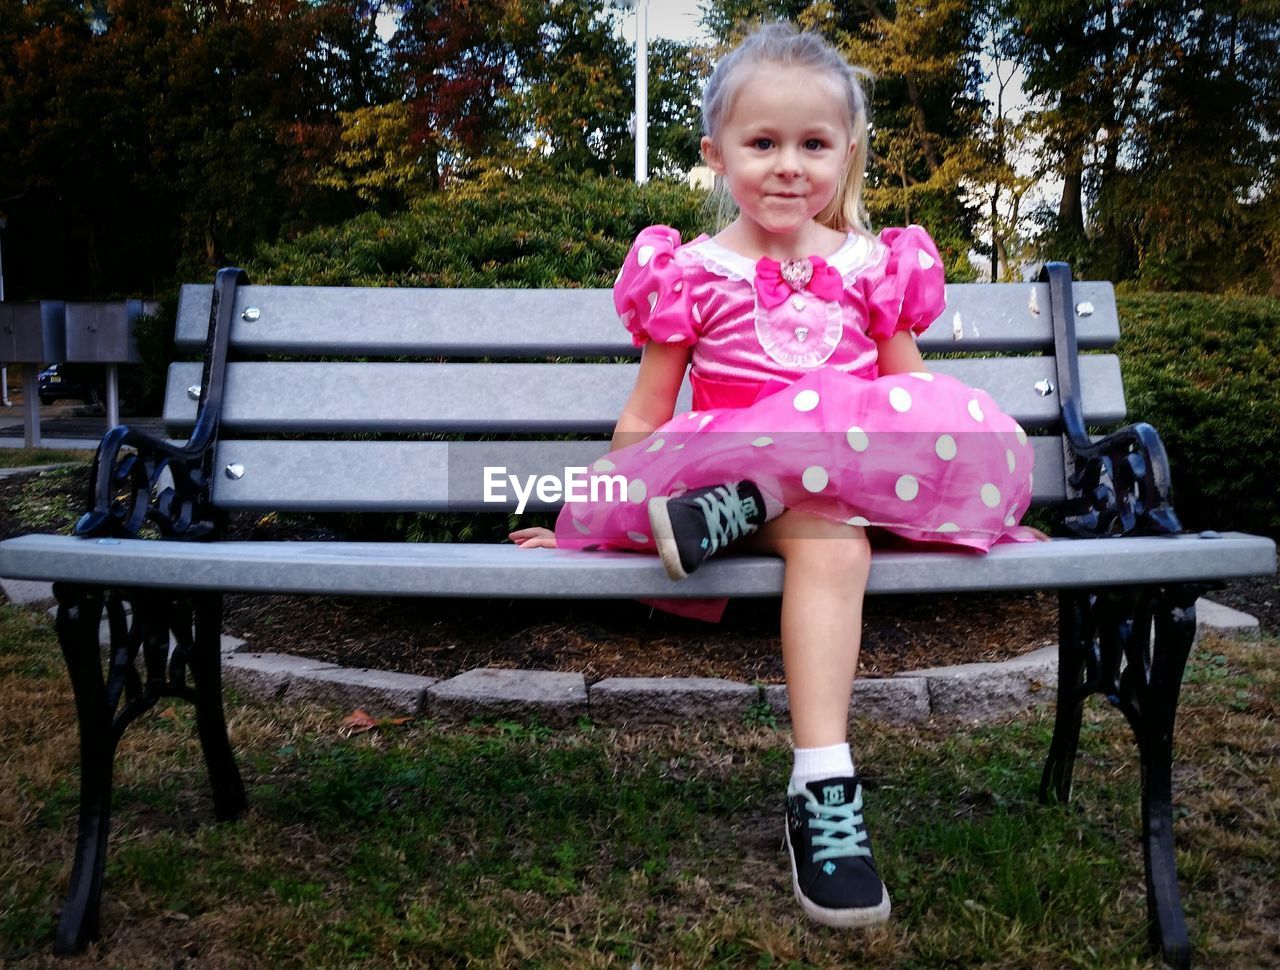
(535,538)
(1040,536)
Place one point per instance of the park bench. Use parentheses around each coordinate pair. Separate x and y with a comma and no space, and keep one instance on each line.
(390,399)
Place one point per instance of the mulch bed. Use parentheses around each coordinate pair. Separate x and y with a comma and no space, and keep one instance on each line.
(617,638)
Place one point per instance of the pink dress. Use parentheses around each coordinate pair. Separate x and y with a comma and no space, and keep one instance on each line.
(786,393)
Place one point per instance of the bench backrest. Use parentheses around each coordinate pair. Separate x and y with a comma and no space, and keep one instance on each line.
(375,399)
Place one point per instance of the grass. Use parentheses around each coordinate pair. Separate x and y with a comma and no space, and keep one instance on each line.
(510,844)
(24,457)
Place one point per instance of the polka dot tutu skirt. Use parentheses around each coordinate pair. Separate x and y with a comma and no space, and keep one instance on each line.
(920,455)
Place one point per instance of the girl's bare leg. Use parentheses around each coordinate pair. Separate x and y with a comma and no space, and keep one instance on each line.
(823,588)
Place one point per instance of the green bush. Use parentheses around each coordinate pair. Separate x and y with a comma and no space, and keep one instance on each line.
(499,232)
(1205,371)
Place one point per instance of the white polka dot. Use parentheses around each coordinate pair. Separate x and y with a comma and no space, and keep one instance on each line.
(637,537)
(657,444)
(582,527)
(1010,520)
(706,419)
(806,401)
(858,520)
(637,491)
(975,410)
(697,313)
(900,400)
(653,300)
(907,487)
(924,259)
(858,439)
(815,478)
(922,375)
(990,495)
(1022,435)
(678,287)
(1009,457)
(945,447)
(676,338)
(618,279)
(604,465)
(644,254)
(691,415)
(948,527)
(762,442)
(678,447)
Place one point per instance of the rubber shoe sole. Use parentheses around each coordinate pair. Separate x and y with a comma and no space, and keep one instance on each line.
(840,918)
(664,538)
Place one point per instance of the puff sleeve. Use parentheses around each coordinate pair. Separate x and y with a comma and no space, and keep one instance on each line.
(650,295)
(909,294)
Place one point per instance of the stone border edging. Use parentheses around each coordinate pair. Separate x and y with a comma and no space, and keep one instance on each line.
(975,692)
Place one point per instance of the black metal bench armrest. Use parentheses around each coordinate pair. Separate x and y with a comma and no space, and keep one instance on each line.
(128,472)
(1119,484)
(130,466)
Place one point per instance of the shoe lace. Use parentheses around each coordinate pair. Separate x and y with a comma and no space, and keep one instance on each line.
(842,834)
(726,514)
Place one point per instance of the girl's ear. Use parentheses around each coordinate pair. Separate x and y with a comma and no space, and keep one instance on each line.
(711,155)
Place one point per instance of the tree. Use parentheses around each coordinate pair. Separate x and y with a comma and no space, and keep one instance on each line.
(135,130)
(1162,116)
(575,89)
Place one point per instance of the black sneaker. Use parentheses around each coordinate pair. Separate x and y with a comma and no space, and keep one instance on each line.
(832,871)
(693,527)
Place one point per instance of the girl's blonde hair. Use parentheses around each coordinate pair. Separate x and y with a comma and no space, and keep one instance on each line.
(783,45)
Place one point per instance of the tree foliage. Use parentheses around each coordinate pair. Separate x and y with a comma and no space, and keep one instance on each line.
(1164,118)
(141,139)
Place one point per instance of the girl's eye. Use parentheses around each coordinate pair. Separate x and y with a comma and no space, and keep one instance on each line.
(764,144)
(813,144)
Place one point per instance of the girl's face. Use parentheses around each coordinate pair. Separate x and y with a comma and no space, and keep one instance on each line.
(782,149)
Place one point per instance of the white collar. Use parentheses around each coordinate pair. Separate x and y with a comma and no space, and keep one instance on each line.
(854,253)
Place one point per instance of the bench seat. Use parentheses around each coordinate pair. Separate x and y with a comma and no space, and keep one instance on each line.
(508,572)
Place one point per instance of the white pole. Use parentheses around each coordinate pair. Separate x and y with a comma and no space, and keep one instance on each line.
(642,92)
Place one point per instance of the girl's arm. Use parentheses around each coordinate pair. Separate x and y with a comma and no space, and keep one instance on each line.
(652,402)
(899,354)
(653,399)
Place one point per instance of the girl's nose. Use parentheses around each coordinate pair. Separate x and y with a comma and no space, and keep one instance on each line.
(787,162)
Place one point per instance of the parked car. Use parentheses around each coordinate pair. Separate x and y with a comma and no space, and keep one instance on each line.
(74,382)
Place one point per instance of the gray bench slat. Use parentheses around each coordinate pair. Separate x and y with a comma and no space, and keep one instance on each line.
(434,476)
(504,571)
(416,397)
(517,322)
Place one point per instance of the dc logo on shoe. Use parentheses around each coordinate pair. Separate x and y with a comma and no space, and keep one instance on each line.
(833,795)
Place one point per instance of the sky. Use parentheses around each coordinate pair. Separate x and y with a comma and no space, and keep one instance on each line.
(674,19)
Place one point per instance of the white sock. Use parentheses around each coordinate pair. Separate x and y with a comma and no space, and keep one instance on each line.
(770,490)
(815,764)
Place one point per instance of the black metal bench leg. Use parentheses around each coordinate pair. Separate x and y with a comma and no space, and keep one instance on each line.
(79,613)
(1153,721)
(205,660)
(1075,641)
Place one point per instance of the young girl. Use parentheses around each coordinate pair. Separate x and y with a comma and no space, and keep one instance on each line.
(814,415)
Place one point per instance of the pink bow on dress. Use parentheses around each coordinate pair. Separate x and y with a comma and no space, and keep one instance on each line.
(775,281)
